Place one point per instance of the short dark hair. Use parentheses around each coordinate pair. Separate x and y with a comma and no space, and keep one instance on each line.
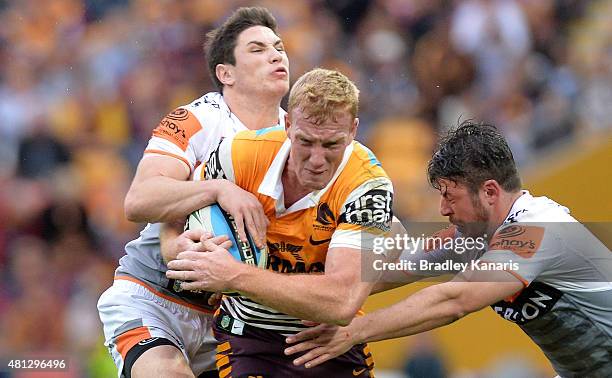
(221,42)
(471,154)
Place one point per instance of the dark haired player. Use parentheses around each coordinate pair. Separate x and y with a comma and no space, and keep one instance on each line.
(151,328)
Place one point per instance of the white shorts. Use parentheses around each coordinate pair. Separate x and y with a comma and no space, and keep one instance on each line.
(132,313)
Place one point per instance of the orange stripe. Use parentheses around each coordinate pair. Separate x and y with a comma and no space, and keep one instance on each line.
(222,357)
(222,361)
(516,295)
(162,295)
(225,372)
(520,278)
(223,347)
(160,152)
(127,340)
(369,360)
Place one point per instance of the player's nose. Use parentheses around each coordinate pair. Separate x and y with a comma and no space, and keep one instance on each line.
(445,209)
(317,157)
(275,56)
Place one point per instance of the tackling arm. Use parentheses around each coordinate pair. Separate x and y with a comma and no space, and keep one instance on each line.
(159,192)
(432,307)
(437,305)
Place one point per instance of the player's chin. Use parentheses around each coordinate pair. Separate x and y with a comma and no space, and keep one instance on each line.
(313,184)
(280,87)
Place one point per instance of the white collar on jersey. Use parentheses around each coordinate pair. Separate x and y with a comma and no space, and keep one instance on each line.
(526,202)
(272,185)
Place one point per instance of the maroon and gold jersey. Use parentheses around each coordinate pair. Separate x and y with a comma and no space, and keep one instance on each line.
(355,206)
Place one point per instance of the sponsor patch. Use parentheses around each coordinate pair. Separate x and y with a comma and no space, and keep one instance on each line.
(284,247)
(281,265)
(178,127)
(372,209)
(533,302)
(521,240)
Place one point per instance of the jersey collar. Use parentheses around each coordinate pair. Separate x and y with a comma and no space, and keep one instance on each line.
(238,125)
(272,185)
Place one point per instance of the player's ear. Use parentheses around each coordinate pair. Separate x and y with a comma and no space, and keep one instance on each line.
(287,122)
(491,190)
(225,74)
(354,127)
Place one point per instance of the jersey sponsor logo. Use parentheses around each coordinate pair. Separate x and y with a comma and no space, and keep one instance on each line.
(319,242)
(357,372)
(521,240)
(284,247)
(213,168)
(535,301)
(281,265)
(178,127)
(178,115)
(372,209)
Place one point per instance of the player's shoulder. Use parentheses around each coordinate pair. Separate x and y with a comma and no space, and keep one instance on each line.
(273,135)
(532,224)
(263,143)
(363,185)
(366,160)
(210,109)
(528,208)
(187,120)
(362,169)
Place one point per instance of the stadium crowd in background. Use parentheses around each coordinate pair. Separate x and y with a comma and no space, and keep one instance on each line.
(83,83)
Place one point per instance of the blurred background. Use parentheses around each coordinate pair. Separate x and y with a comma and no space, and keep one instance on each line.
(84,82)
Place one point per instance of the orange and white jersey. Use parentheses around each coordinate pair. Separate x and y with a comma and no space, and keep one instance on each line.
(354,207)
(189,134)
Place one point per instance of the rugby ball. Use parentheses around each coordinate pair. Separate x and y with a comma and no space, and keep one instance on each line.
(218,222)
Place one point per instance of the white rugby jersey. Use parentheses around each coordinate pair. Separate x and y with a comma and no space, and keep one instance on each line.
(190,134)
(566,304)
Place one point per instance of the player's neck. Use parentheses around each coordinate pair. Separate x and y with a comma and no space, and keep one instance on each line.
(504,207)
(253,111)
(292,191)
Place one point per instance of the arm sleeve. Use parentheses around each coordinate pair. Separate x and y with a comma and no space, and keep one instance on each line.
(366,214)
(175,135)
(528,248)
